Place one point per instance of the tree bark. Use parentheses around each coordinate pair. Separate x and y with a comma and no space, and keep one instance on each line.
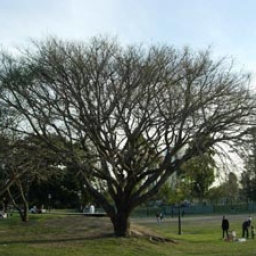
(24,212)
(121,224)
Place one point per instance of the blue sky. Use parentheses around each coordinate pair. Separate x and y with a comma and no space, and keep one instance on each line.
(228,26)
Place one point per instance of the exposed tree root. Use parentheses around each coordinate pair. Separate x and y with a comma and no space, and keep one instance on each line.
(138,231)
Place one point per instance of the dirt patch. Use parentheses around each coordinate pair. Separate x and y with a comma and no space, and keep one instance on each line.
(140,231)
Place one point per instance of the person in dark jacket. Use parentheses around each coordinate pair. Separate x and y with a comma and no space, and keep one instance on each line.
(245,228)
(225,227)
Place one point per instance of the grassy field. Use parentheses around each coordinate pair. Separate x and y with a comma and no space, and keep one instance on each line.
(55,235)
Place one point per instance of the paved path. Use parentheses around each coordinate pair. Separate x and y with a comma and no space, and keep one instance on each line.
(201,218)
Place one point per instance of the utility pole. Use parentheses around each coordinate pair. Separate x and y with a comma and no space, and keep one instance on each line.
(179,220)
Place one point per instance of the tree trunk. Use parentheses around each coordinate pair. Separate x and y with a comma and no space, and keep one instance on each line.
(5,205)
(24,212)
(121,224)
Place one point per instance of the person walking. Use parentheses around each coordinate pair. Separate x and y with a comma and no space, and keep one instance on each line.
(225,227)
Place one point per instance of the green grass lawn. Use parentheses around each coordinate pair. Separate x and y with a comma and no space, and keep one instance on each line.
(54,235)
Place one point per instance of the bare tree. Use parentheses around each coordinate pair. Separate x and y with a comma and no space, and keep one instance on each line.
(109,100)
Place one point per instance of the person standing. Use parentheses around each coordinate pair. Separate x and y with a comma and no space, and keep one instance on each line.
(225,227)
(92,209)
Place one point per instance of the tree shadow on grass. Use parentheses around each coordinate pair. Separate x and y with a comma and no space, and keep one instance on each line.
(59,241)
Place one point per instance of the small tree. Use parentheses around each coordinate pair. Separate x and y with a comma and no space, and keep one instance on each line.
(248,177)
(248,186)
(199,174)
(104,98)
(24,161)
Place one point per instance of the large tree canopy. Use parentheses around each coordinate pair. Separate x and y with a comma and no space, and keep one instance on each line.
(110,100)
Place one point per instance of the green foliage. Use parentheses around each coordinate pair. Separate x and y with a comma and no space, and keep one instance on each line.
(167,194)
(248,185)
(198,174)
(248,176)
(227,191)
(216,194)
(173,194)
